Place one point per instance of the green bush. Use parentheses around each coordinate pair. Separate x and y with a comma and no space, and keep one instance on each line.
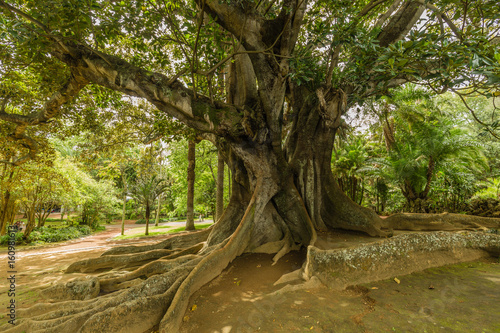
(4,240)
(51,235)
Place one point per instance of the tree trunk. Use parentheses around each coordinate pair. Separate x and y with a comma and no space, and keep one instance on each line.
(309,149)
(219,207)
(4,215)
(158,208)
(30,224)
(190,183)
(147,218)
(124,209)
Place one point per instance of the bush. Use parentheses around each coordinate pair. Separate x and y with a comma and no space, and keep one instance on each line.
(4,240)
(49,235)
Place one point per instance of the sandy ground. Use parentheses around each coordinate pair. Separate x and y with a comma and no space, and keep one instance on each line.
(458,298)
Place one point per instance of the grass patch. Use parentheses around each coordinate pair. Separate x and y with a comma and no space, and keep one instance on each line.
(139,232)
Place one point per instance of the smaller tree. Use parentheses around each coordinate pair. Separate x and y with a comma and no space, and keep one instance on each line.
(146,190)
(421,141)
(348,159)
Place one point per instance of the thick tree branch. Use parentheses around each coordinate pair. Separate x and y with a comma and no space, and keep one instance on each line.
(50,110)
(442,16)
(400,23)
(371,5)
(388,13)
(244,25)
(168,95)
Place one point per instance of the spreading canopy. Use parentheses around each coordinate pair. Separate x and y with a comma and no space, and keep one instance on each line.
(178,59)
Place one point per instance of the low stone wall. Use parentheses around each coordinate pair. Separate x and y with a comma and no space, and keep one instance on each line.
(397,256)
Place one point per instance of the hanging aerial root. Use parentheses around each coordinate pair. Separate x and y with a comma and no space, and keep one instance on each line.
(176,241)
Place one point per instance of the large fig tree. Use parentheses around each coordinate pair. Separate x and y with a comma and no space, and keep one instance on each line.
(266,81)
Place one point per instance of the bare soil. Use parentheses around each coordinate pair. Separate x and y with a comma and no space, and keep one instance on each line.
(456,298)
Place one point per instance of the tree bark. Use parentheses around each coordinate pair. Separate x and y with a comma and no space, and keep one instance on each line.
(30,224)
(309,149)
(124,211)
(147,218)
(190,183)
(158,208)
(219,207)
(4,212)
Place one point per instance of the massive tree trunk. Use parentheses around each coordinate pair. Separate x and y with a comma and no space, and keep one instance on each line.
(309,150)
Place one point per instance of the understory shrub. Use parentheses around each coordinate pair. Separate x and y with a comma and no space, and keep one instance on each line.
(4,240)
(49,235)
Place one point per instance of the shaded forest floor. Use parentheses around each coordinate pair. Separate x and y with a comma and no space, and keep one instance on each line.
(457,298)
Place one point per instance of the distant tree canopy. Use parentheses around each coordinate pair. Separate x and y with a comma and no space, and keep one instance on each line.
(267,82)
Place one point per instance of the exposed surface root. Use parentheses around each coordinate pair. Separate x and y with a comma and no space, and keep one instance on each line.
(210,267)
(107,313)
(400,255)
(435,222)
(124,317)
(153,268)
(176,241)
(114,261)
